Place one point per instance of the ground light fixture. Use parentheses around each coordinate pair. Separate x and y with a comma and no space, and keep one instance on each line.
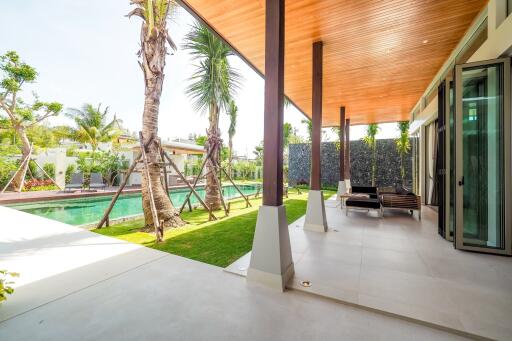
(305,284)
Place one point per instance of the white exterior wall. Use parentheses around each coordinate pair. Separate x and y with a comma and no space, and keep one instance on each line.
(499,38)
(56,156)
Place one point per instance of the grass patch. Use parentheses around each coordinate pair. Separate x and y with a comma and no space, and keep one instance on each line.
(218,242)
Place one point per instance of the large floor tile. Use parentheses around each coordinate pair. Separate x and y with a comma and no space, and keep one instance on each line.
(408,262)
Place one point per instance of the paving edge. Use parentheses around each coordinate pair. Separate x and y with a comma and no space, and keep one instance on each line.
(395,315)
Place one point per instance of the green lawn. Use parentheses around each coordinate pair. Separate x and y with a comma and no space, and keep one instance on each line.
(218,242)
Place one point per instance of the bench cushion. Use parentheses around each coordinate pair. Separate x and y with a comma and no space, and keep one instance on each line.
(360,202)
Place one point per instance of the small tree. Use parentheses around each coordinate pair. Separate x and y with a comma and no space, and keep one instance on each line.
(403,145)
(21,116)
(371,141)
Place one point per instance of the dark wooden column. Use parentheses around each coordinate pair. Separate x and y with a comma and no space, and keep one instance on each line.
(316,175)
(347,148)
(274,97)
(342,143)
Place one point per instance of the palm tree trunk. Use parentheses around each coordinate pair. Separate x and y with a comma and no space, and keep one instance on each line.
(18,181)
(230,160)
(154,52)
(212,196)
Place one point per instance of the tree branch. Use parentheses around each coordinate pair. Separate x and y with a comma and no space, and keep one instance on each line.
(40,119)
(7,110)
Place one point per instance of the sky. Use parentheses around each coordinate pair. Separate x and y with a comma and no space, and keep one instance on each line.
(85,52)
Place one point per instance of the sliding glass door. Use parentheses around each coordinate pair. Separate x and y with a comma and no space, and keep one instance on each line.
(482,140)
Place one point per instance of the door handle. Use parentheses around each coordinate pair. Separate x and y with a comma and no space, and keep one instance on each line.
(461,182)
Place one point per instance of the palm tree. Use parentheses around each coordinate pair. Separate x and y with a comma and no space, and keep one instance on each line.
(370,140)
(232,112)
(212,87)
(403,145)
(309,127)
(154,38)
(91,126)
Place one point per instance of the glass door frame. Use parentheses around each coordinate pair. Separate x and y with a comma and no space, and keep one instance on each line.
(449,87)
(459,217)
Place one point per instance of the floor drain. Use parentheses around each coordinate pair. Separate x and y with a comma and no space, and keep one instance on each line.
(305,284)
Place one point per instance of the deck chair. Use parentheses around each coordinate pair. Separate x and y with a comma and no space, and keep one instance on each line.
(77,182)
(96,181)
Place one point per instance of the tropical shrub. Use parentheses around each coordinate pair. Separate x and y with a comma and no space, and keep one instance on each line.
(7,168)
(33,171)
(106,163)
(5,283)
(33,185)
(244,170)
(69,171)
(49,168)
(193,167)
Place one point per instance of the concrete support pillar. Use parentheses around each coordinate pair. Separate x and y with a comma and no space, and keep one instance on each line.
(315,212)
(271,257)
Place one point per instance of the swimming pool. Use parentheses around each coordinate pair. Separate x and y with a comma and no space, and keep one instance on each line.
(85,211)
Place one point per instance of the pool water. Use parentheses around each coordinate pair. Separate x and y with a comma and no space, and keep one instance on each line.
(90,210)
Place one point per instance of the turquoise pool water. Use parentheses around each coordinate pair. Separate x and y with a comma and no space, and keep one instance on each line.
(91,209)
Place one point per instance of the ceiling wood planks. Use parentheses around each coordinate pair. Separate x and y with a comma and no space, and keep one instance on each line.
(379,56)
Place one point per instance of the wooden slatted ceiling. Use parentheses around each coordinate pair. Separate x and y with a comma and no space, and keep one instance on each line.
(379,56)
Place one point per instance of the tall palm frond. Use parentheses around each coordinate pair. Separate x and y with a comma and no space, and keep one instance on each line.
(91,126)
(154,13)
(214,81)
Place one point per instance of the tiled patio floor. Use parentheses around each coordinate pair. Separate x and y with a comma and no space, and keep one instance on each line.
(78,285)
(401,266)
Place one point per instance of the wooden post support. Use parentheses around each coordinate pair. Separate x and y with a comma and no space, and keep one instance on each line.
(196,181)
(192,189)
(316,173)
(213,168)
(236,187)
(47,175)
(119,190)
(166,185)
(122,186)
(342,144)
(154,213)
(189,205)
